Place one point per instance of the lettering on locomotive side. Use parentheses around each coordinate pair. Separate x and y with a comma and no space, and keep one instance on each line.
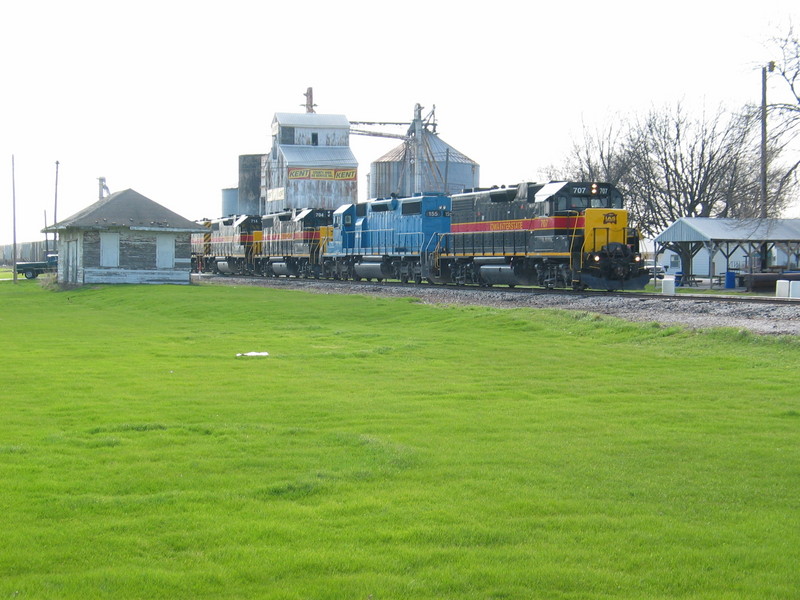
(505,225)
(610,219)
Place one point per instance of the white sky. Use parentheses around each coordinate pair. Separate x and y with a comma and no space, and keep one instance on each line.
(163,97)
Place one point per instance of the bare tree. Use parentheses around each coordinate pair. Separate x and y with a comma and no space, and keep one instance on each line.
(602,155)
(785,128)
(669,164)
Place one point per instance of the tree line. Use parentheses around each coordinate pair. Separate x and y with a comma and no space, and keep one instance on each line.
(670,163)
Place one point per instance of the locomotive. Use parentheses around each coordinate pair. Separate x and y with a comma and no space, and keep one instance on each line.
(554,235)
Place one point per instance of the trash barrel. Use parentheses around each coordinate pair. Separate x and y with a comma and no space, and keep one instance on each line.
(668,286)
(678,279)
(730,280)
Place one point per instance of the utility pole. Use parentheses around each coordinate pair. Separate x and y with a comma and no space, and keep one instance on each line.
(55,211)
(14,216)
(771,68)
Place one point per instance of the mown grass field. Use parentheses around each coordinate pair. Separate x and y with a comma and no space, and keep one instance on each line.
(386,449)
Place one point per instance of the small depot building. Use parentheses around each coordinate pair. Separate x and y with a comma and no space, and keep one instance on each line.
(124,238)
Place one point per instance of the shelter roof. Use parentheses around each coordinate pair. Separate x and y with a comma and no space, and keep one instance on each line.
(319,156)
(706,229)
(127,208)
(311,120)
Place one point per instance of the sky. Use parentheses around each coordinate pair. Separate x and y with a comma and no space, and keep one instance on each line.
(163,96)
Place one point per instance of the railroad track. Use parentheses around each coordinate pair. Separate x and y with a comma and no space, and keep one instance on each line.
(366,286)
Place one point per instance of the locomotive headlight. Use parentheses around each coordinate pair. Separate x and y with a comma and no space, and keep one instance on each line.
(594,188)
(637,258)
(596,258)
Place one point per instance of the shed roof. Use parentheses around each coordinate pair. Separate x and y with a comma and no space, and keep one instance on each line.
(130,209)
(319,156)
(706,229)
(311,120)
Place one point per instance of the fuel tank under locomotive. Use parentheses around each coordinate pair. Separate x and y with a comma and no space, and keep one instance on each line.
(373,267)
(495,271)
(281,267)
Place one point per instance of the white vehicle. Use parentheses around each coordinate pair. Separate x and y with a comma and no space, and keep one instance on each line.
(656,271)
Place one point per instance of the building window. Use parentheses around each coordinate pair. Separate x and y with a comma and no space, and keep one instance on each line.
(287,136)
(109,250)
(315,139)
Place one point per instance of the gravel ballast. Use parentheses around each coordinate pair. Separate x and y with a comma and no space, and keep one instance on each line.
(698,312)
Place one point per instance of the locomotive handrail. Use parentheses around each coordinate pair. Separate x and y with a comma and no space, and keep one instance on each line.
(390,243)
(436,253)
(572,245)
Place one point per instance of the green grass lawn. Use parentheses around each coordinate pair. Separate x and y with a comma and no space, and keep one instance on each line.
(387,449)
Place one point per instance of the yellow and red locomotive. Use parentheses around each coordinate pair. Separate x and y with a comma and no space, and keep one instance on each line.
(556,235)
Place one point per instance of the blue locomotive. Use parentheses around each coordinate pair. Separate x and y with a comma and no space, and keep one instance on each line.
(386,239)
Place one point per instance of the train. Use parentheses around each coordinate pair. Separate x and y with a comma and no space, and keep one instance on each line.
(558,234)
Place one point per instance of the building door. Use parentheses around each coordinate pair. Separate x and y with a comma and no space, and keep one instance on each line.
(165,251)
(71,263)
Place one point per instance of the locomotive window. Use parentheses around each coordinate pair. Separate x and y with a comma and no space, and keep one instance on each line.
(268,224)
(361,210)
(580,203)
(412,208)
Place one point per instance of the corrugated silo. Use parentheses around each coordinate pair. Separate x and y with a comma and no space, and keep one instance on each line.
(422,164)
